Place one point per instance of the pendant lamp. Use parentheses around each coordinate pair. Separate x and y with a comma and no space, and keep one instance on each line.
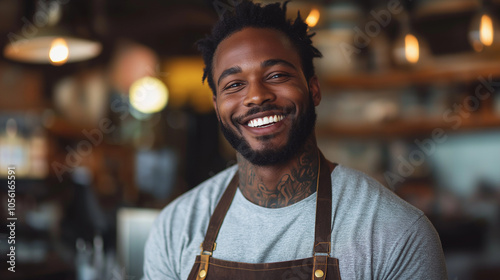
(483,30)
(44,41)
(408,48)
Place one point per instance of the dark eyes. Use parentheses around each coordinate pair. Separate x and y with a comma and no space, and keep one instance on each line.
(278,75)
(275,78)
(233,85)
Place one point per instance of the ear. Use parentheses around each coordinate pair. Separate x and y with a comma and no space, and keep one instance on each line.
(314,89)
(214,100)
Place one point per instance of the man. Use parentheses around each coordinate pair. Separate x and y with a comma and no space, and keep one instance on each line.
(286,212)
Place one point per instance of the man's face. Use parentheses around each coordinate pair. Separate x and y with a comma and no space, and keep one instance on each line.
(264,103)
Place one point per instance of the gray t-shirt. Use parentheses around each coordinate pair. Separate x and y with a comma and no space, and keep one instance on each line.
(375,234)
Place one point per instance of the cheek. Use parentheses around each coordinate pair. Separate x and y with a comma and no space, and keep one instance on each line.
(292,90)
(226,109)
(297,96)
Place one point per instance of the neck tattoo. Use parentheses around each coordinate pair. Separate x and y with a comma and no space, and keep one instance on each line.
(295,184)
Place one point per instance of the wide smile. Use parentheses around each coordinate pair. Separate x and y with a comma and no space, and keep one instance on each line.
(265,121)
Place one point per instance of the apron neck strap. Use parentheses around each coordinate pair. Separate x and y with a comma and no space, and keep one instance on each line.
(208,245)
(323,212)
(323,228)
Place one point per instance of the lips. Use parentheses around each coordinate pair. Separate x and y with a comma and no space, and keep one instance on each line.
(265,121)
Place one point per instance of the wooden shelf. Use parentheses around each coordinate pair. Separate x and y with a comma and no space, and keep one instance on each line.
(62,128)
(456,68)
(405,129)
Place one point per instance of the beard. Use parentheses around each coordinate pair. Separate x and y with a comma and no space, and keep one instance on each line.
(301,129)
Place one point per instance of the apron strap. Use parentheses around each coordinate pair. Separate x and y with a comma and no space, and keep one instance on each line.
(322,232)
(322,227)
(208,245)
(322,238)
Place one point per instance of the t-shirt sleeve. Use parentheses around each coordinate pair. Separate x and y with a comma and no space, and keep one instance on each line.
(417,254)
(156,261)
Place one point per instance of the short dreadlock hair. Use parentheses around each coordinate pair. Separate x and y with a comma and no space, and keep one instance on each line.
(249,14)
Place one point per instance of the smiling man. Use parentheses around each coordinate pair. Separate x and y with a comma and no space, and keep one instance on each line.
(284,212)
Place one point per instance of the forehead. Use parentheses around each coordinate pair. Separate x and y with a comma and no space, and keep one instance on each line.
(252,46)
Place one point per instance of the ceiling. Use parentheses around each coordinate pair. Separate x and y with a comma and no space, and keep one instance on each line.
(171,27)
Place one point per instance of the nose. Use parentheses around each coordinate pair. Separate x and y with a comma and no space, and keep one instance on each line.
(258,94)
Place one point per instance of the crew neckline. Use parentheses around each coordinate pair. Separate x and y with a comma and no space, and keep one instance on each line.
(241,201)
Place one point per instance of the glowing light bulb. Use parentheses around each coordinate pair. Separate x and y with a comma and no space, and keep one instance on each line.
(313,17)
(411,48)
(148,95)
(486,30)
(59,51)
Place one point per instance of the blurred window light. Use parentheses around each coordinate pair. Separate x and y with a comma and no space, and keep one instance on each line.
(148,95)
(463,162)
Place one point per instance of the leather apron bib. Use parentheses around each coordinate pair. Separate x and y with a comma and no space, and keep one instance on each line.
(319,267)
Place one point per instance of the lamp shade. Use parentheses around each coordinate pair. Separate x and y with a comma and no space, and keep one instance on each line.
(38,49)
(48,40)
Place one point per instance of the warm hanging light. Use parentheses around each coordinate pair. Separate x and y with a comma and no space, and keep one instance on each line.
(482,30)
(47,41)
(313,17)
(305,7)
(148,95)
(486,30)
(59,52)
(412,50)
(408,48)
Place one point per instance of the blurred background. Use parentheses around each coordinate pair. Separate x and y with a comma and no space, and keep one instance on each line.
(104,118)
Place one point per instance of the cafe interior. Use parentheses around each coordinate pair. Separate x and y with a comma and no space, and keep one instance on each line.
(104,119)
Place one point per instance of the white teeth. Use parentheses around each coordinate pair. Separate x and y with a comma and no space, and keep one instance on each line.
(265,121)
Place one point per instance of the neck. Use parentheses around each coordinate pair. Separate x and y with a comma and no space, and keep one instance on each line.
(281,185)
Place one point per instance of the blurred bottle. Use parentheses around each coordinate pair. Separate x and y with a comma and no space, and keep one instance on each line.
(83,265)
(98,260)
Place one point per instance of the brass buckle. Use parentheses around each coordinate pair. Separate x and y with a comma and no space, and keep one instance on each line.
(209,253)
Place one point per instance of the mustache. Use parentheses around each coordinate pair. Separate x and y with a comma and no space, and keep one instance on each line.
(264,108)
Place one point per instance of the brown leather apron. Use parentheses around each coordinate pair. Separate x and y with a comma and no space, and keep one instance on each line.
(319,267)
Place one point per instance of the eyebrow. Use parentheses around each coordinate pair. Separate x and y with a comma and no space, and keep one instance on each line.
(272,62)
(229,71)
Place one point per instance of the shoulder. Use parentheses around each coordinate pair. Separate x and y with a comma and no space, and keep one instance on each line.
(376,224)
(369,210)
(358,189)
(202,198)
(180,227)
